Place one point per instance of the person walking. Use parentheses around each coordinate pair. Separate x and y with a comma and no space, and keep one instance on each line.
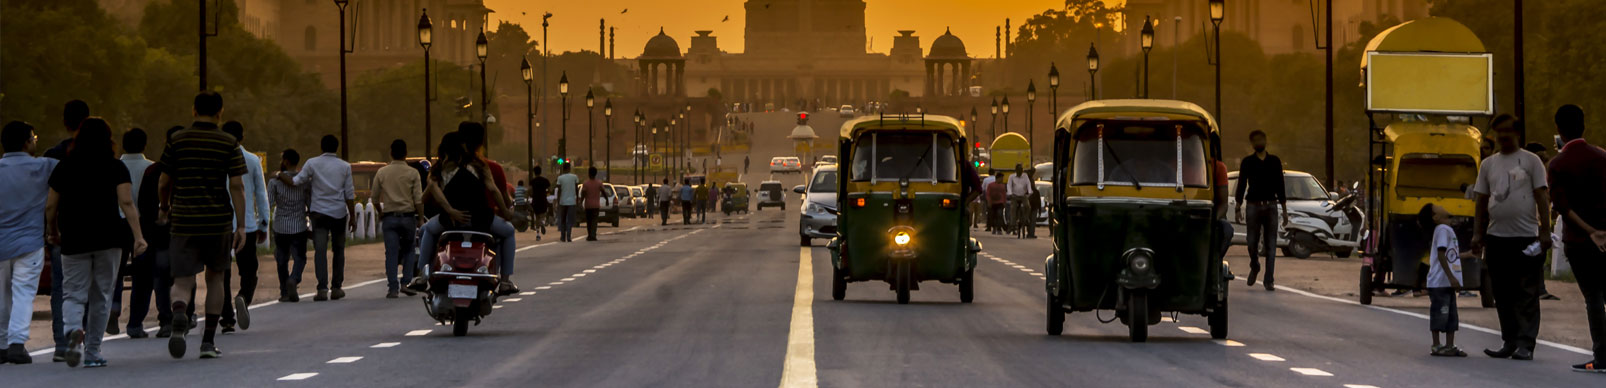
(91,234)
(1019,189)
(133,159)
(666,196)
(332,207)
(592,193)
(687,195)
(72,115)
(702,202)
(1578,186)
(1260,183)
(1513,210)
(400,196)
(997,198)
(22,234)
(201,189)
(568,184)
(236,310)
(290,232)
(156,263)
(539,186)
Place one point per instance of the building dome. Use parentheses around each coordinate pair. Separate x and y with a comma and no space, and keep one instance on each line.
(948,46)
(661,46)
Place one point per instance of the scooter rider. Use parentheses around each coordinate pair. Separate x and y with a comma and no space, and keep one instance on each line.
(463,185)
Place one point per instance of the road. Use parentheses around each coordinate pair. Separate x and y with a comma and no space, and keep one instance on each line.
(719,305)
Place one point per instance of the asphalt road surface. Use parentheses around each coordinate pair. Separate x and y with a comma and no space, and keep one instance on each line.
(737,303)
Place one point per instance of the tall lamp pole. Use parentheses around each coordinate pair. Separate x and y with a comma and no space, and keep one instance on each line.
(675,148)
(635,145)
(528,72)
(1147,40)
(204,33)
(993,123)
(1031,103)
(1218,11)
(345,144)
(1053,95)
(975,152)
(563,139)
(591,130)
(481,50)
(425,39)
(607,133)
(1092,72)
(541,104)
(1004,107)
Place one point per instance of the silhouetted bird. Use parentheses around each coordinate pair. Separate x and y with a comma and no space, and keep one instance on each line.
(727,18)
(626,10)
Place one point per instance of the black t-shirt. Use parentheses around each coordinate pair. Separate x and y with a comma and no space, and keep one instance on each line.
(86,209)
(538,188)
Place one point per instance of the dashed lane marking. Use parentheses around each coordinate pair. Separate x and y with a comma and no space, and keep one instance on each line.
(1359,386)
(544,288)
(1311,372)
(297,376)
(383,345)
(1266,357)
(1569,348)
(513,299)
(418,333)
(344,360)
(1193,330)
(527,293)
(1229,343)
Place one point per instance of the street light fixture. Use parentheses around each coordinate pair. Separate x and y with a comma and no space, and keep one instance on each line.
(1053,95)
(528,74)
(563,139)
(1031,103)
(425,39)
(1218,12)
(344,128)
(1147,41)
(481,50)
(591,143)
(607,134)
(993,123)
(1004,107)
(1092,72)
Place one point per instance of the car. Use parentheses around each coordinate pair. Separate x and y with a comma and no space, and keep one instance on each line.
(626,201)
(609,212)
(825,161)
(845,111)
(1045,191)
(786,164)
(769,195)
(819,205)
(1308,204)
(638,200)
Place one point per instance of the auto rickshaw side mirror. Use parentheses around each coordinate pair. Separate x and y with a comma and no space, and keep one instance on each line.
(797,189)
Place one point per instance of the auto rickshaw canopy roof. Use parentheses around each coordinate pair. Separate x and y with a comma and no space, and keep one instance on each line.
(919,122)
(1136,110)
(1434,34)
(1439,138)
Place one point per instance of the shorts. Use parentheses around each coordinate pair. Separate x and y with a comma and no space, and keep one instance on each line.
(191,255)
(1441,311)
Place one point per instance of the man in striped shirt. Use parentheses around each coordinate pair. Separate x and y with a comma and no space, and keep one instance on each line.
(202,198)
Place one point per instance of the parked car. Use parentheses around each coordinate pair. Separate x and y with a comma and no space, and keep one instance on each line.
(769,195)
(638,201)
(786,164)
(819,205)
(609,212)
(1045,191)
(1315,225)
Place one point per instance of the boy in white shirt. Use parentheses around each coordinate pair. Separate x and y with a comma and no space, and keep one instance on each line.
(1444,278)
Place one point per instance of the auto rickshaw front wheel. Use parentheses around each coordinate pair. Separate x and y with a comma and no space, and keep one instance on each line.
(839,285)
(901,282)
(1218,321)
(1137,316)
(967,286)
(1056,316)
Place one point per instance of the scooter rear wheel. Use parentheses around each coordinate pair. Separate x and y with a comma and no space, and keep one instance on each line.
(460,322)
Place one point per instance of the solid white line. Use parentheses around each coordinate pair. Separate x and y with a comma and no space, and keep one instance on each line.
(297,376)
(1311,372)
(1266,357)
(344,360)
(383,345)
(1359,386)
(533,246)
(418,333)
(799,369)
(1565,347)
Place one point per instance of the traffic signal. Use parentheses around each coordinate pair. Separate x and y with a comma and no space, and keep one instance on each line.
(802,118)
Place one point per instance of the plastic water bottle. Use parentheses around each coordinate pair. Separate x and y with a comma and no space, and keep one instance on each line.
(1532,250)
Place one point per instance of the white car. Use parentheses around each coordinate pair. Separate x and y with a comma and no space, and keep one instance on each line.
(784,164)
(1307,205)
(845,111)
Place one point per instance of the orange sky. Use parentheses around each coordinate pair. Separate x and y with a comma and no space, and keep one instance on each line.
(574,22)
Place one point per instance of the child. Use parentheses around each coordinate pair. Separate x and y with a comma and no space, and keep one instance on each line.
(1444,278)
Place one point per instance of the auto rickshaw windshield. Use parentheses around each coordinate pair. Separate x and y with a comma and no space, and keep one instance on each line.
(824,182)
(1139,153)
(1435,175)
(896,156)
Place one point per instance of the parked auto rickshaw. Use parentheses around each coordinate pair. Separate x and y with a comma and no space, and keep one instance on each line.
(902,216)
(1132,222)
(735,198)
(1425,81)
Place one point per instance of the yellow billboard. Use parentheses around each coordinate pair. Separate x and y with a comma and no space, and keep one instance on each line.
(1452,84)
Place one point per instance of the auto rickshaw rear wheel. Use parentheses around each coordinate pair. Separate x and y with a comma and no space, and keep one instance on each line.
(967,286)
(1218,321)
(901,282)
(1137,312)
(1056,316)
(839,285)
(1366,285)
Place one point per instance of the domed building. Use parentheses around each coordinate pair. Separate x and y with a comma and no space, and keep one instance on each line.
(947,66)
(662,54)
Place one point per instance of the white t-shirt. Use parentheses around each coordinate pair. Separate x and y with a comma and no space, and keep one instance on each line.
(1510,180)
(1444,238)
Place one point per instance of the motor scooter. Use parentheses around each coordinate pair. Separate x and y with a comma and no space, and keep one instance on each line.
(1337,229)
(463,277)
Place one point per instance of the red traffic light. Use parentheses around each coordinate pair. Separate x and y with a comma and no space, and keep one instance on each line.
(978,144)
(803,116)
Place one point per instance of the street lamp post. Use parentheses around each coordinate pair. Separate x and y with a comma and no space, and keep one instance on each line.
(654,150)
(541,104)
(591,131)
(344,140)
(1147,40)
(1218,11)
(675,149)
(563,96)
(975,152)
(481,50)
(528,73)
(425,39)
(1031,102)
(1004,107)
(1092,72)
(992,124)
(1053,95)
(607,133)
(635,144)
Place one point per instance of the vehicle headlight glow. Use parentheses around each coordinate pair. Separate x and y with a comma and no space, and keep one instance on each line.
(902,238)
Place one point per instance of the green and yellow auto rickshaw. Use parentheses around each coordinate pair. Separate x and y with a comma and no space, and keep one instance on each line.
(734,198)
(901,217)
(1133,223)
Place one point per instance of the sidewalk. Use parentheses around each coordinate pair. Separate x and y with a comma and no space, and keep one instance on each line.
(1562,321)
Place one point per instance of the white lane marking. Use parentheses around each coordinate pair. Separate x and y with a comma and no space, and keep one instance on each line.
(529,247)
(1565,347)
(556,283)
(344,360)
(1229,343)
(297,376)
(1035,274)
(1266,357)
(1311,372)
(1359,386)
(496,307)
(383,345)
(589,271)
(544,288)
(513,299)
(799,369)
(565,280)
(1193,330)
(418,333)
(578,275)
(527,293)
(1167,319)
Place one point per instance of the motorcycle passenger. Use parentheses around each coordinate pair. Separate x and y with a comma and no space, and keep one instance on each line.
(464,187)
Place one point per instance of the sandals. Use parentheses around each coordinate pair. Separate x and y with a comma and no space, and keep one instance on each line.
(1447,351)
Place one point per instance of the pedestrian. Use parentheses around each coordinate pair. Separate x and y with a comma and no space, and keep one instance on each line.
(1260,184)
(592,192)
(702,202)
(1544,157)
(1018,188)
(997,198)
(1035,200)
(137,267)
(1444,278)
(332,210)
(666,195)
(81,215)
(72,115)
(651,197)
(687,195)
(202,188)
(986,200)
(236,310)
(399,194)
(568,186)
(1513,214)
(290,231)
(1579,184)
(22,234)
(539,186)
(156,263)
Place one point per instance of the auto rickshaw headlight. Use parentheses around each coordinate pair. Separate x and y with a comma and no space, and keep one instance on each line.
(902,238)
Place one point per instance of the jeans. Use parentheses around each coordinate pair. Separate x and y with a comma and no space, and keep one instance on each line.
(399,233)
(326,229)
(591,223)
(290,250)
(565,222)
(1518,280)
(1262,222)
(1589,267)
(685,212)
(246,261)
(88,293)
(663,209)
(56,322)
(19,282)
(500,229)
(152,275)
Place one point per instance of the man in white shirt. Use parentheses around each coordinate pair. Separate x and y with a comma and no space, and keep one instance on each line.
(568,192)
(1513,212)
(331,209)
(1018,187)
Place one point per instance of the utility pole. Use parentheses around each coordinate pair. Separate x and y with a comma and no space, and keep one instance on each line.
(201,49)
(1328,56)
(1522,104)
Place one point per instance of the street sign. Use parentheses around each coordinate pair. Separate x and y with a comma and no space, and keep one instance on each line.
(656,160)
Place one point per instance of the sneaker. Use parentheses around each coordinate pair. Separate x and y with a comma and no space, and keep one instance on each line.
(392,295)
(17,354)
(95,363)
(242,312)
(1588,367)
(111,324)
(506,287)
(59,356)
(322,295)
(337,293)
(209,351)
(181,328)
(228,329)
(164,331)
(75,348)
(137,332)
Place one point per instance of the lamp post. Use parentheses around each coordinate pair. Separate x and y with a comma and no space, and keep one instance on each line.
(344,143)
(1218,11)
(425,39)
(653,149)
(1031,103)
(481,50)
(1004,107)
(675,149)
(1092,72)
(607,134)
(993,123)
(1147,40)
(528,73)
(1053,95)
(563,96)
(203,34)
(975,152)
(635,145)
(541,104)
(591,130)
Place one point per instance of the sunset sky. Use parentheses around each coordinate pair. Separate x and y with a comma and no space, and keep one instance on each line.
(574,23)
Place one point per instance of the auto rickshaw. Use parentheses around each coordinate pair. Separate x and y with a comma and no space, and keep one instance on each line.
(902,216)
(1425,81)
(735,198)
(1132,222)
